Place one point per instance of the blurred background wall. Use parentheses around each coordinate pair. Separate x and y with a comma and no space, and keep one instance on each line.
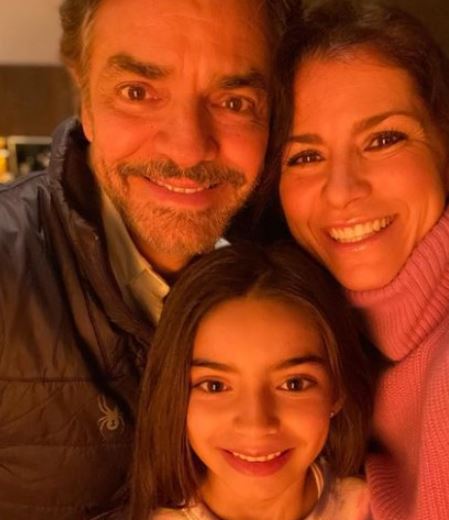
(35,92)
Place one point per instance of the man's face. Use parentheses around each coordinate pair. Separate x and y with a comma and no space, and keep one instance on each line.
(176,110)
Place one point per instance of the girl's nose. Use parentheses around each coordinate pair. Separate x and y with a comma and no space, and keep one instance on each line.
(256,414)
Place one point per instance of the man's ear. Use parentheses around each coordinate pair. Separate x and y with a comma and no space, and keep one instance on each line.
(86,119)
(84,109)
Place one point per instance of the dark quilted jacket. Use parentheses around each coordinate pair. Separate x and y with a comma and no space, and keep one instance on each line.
(71,352)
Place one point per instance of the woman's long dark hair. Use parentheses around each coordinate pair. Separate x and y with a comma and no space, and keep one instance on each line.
(166,473)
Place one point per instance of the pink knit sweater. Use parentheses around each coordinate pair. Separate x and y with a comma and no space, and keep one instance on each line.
(409,321)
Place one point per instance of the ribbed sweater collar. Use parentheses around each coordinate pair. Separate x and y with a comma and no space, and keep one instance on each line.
(402,314)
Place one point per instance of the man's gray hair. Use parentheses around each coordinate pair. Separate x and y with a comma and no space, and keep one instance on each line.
(77,18)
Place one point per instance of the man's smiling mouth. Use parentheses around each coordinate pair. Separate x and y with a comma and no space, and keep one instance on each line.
(179,188)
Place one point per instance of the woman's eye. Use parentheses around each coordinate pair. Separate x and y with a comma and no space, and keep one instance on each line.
(386,139)
(134,92)
(212,386)
(304,158)
(296,384)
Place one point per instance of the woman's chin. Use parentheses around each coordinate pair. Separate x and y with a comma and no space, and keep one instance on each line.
(364,279)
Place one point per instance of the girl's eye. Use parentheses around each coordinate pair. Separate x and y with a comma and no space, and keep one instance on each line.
(304,158)
(386,139)
(134,92)
(296,384)
(212,386)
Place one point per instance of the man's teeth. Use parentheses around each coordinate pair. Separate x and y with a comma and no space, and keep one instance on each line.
(179,189)
(262,458)
(359,231)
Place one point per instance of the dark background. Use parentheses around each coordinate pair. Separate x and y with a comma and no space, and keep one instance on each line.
(35,99)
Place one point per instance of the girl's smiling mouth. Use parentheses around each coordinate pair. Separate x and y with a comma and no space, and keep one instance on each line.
(259,458)
(260,465)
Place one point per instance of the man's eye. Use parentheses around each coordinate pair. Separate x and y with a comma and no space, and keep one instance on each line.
(296,384)
(304,158)
(212,386)
(134,92)
(238,104)
(386,139)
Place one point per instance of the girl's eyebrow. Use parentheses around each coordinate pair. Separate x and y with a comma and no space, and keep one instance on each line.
(288,363)
(301,360)
(206,363)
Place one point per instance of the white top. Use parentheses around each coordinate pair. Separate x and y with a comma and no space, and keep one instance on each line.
(339,499)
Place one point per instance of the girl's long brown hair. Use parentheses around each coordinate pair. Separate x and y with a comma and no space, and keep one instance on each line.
(166,473)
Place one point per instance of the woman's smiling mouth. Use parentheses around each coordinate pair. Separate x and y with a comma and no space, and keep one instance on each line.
(360,231)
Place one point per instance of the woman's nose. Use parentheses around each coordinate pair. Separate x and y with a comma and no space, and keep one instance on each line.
(345,183)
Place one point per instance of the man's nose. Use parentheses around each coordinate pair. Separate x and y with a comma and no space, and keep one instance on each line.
(256,414)
(346,182)
(186,136)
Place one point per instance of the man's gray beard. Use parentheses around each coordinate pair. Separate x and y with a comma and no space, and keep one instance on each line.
(173,232)
(170,231)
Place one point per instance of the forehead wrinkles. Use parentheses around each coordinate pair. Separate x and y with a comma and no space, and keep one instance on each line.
(229,39)
(248,14)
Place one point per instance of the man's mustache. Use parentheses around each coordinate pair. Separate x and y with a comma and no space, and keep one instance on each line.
(204,173)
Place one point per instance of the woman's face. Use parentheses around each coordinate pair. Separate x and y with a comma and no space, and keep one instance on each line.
(363,176)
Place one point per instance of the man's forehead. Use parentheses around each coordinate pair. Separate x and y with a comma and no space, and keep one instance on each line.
(238,12)
(125,63)
(151,36)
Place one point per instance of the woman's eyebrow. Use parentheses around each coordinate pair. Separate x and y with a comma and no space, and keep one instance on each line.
(376,119)
(305,139)
(365,124)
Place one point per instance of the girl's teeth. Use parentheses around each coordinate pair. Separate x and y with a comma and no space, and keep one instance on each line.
(262,458)
(359,232)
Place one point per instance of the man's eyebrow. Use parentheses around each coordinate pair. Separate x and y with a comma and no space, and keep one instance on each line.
(301,360)
(127,63)
(252,79)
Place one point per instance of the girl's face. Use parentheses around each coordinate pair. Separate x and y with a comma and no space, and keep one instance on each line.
(363,176)
(261,398)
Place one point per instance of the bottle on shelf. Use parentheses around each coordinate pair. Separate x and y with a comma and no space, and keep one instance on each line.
(5,174)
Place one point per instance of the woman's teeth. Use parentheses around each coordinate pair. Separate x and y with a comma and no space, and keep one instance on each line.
(359,232)
(261,458)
